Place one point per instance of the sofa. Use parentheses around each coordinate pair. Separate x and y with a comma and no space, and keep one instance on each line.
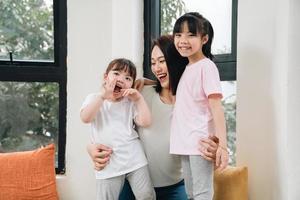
(30,175)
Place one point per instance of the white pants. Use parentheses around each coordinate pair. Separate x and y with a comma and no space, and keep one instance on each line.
(139,180)
(198,177)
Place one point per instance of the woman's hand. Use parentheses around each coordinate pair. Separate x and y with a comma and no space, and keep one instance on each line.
(208,147)
(100,155)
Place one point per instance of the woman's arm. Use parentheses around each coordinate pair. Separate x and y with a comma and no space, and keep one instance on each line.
(140,83)
(148,81)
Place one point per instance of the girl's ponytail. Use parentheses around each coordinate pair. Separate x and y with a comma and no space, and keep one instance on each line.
(206,49)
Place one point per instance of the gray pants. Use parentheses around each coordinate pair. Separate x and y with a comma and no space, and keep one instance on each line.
(139,180)
(198,177)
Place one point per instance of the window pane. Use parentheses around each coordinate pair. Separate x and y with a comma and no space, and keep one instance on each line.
(26,30)
(29,115)
(218,12)
(229,103)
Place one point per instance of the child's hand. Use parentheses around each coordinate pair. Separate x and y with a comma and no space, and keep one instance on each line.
(132,94)
(222,158)
(108,89)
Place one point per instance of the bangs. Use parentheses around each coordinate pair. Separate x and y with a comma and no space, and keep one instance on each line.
(122,65)
(192,22)
(125,68)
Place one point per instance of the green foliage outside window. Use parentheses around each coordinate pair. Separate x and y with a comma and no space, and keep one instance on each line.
(169,12)
(26,30)
(29,116)
(230,117)
(29,111)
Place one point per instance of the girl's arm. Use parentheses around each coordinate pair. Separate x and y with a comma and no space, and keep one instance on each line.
(143,117)
(89,112)
(219,119)
(215,104)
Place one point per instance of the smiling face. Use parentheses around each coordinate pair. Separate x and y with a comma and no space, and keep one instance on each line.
(123,78)
(159,67)
(189,44)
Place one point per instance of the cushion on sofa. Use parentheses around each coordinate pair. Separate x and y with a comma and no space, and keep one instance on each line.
(28,175)
(231,184)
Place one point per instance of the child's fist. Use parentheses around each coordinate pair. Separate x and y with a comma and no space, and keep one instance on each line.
(132,94)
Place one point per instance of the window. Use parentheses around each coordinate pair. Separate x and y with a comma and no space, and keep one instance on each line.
(33,49)
(159,18)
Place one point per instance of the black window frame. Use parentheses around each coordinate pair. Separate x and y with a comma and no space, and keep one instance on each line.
(226,63)
(43,71)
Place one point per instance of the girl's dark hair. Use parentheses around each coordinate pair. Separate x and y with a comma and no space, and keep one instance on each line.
(197,24)
(122,64)
(174,61)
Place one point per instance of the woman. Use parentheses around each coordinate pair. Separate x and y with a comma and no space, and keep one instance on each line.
(165,169)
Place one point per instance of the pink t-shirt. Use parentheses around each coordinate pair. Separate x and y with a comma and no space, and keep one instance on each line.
(192,118)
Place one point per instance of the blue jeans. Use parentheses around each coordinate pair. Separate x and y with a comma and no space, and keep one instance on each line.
(172,192)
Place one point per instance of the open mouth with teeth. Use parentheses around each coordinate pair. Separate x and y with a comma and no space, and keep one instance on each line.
(117,88)
(162,77)
(184,48)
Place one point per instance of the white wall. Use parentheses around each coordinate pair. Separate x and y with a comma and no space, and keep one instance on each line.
(293,102)
(268,97)
(98,31)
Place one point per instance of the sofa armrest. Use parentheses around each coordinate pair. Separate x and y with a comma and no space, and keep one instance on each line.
(231,184)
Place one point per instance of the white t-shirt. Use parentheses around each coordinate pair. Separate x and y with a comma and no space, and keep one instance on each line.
(192,117)
(113,127)
(165,169)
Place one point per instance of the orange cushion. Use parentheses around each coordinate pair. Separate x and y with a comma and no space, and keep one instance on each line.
(231,184)
(28,175)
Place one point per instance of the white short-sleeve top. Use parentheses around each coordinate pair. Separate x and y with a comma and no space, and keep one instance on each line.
(113,126)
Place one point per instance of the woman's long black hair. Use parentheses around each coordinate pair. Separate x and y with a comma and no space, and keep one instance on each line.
(174,61)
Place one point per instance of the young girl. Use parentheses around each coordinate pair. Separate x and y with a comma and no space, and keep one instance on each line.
(198,110)
(111,114)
